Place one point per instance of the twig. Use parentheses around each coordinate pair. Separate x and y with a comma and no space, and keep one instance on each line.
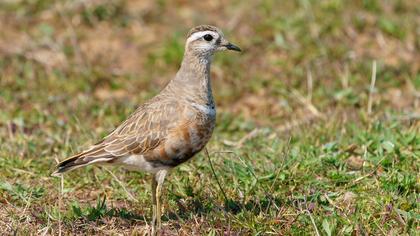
(221,152)
(307,103)
(399,218)
(122,185)
(332,202)
(28,203)
(380,228)
(345,77)
(313,222)
(372,88)
(367,175)
(310,84)
(23,171)
(245,138)
(44,231)
(362,177)
(215,176)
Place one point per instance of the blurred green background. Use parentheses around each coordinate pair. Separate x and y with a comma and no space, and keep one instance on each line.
(304,143)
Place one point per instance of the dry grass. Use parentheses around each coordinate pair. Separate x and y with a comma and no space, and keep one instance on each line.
(306,140)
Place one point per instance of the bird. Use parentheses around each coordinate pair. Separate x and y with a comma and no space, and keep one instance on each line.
(170,128)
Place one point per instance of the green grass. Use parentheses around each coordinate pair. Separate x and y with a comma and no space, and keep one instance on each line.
(295,149)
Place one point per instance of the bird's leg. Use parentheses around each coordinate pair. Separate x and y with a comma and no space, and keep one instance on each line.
(157,183)
(154,186)
(160,178)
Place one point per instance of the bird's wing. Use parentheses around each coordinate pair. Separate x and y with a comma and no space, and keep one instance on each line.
(143,131)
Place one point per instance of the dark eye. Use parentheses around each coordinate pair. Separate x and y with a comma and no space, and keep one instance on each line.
(208,37)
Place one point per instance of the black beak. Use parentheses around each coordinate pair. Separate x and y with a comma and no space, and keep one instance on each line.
(233,47)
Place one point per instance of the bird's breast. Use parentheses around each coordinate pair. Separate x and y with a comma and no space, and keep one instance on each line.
(187,138)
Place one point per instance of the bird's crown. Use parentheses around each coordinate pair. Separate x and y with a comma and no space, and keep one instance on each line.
(202,28)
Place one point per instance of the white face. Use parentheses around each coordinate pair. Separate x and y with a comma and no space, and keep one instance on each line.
(206,42)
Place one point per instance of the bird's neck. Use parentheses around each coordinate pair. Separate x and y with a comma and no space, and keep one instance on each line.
(193,78)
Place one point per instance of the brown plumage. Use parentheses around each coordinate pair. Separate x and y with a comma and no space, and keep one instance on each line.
(170,128)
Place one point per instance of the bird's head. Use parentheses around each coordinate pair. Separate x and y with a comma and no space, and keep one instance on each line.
(205,40)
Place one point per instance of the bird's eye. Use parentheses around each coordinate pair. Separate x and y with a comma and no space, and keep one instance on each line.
(208,37)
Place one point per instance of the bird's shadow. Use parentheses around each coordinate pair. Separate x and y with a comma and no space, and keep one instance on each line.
(203,205)
(101,210)
(197,205)
(128,215)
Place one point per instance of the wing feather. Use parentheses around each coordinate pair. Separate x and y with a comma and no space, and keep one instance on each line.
(142,132)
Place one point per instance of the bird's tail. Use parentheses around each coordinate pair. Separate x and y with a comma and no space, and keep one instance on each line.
(79,160)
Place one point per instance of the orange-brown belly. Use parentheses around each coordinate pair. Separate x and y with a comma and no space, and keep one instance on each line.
(183,143)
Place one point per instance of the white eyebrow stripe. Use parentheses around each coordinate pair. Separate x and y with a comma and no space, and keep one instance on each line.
(200,34)
(209,110)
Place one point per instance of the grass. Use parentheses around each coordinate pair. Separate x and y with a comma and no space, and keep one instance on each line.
(304,144)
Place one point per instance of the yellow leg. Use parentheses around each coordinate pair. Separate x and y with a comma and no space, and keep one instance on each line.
(157,183)
(154,202)
(158,206)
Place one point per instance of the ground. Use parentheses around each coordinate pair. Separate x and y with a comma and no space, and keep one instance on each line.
(317,127)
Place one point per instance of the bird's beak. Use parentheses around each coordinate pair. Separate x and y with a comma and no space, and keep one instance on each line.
(233,47)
